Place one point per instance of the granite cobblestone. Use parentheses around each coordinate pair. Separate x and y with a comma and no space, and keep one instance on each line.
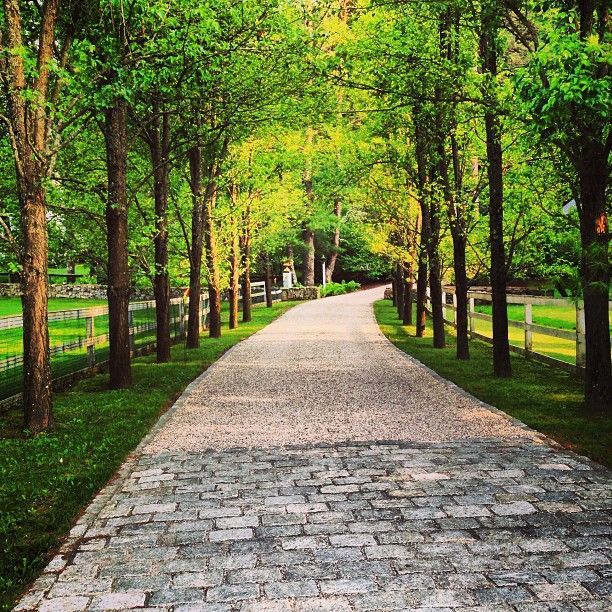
(500,523)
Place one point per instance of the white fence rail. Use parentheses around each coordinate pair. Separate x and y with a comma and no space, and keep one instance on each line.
(79,337)
(526,347)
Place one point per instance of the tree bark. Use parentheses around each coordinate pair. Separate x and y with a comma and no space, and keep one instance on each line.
(159,144)
(212,259)
(268,281)
(435,280)
(115,135)
(308,267)
(407,310)
(461,293)
(399,283)
(30,131)
(453,196)
(393,291)
(421,310)
(595,273)
(246,265)
(37,399)
(332,260)
(430,233)
(488,54)
(196,251)
(234,273)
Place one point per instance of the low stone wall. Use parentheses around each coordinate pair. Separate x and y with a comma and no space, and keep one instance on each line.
(388,293)
(300,293)
(82,291)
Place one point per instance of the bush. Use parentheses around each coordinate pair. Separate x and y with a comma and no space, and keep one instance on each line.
(339,288)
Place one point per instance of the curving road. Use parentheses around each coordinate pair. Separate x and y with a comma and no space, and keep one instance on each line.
(316,468)
(323,373)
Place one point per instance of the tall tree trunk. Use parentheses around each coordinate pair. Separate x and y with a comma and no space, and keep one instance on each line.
(246,265)
(332,260)
(422,271)
(393,291)
(591,163)
(435,280)
(268,280)
(212,260)
(501,343)
(421,305)
(115,135)
(30,130)
(308,267)
(488,54)
(461,293)
(159,144)
(595,273)
(197,239)
(446,126)
(399,283)
(37,400)
(407,311)
(234,273)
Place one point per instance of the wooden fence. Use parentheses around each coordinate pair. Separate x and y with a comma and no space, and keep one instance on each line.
(79,338)
(526,347)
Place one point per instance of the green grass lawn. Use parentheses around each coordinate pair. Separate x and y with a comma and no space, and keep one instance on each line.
(47,480)
(560,317)
(62,333)
(12,305)
(545,398)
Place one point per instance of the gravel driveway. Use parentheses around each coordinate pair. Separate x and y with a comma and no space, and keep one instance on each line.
(317,468)
(323,373)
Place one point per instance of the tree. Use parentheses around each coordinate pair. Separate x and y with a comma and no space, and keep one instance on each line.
(489,48)
(31,95)
(566,93)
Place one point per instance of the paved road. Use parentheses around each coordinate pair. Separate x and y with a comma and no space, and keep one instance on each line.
(315,467)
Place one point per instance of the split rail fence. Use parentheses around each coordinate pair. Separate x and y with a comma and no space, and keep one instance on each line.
(78,338)
(561,348)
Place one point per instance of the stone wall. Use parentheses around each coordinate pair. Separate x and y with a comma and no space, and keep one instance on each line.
(82,291)
(300,293)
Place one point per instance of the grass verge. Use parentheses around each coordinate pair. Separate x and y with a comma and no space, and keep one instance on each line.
(46,481)
(546,399)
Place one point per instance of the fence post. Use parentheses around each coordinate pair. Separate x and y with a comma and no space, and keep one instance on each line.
(528,333)
(132,331)
(91,349)
(580,340)
(181,317)
(470,317)
(455,309)
(444,305)
(202,313)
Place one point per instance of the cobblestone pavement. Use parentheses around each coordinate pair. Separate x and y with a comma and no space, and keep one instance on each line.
(479,523)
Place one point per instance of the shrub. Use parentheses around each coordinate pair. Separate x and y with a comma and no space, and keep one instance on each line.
(339,288)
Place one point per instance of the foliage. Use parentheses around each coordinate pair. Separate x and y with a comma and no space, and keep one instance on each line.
(339,288)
